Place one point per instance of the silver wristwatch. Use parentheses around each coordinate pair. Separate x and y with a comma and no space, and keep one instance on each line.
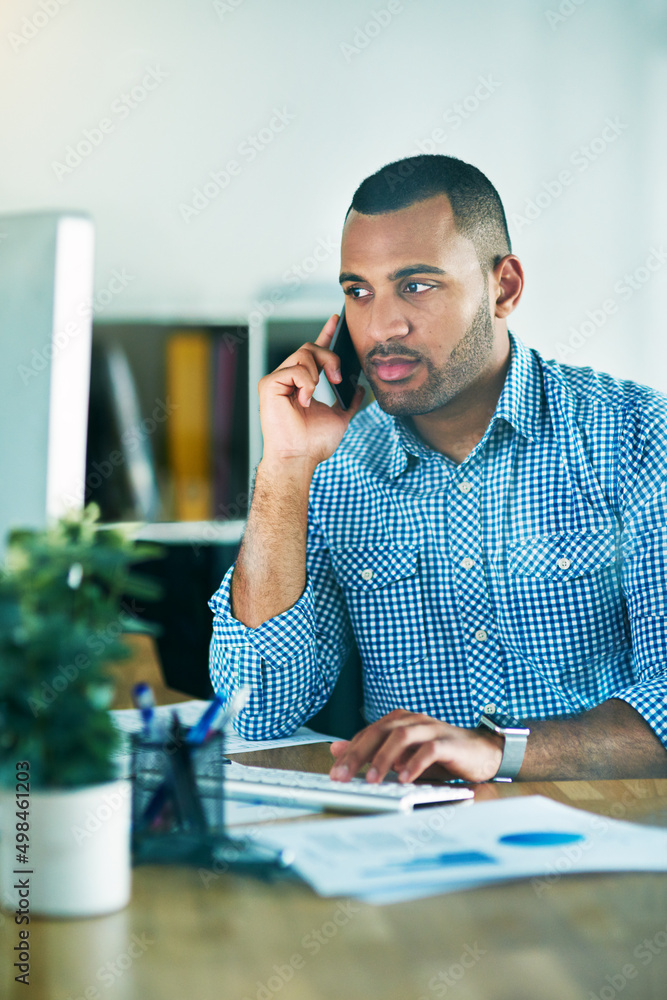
(516,736)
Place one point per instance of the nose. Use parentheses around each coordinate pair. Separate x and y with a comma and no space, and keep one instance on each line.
(386,319)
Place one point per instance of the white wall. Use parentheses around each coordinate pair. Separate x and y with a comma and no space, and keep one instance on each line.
(556,78)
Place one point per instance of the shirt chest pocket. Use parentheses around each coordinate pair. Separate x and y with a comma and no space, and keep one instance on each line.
(383,592)
(567,604)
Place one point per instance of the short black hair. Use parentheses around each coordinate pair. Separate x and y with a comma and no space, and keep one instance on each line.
(476,205)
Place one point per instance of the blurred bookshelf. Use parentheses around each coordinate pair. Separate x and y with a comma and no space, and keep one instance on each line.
(168,423)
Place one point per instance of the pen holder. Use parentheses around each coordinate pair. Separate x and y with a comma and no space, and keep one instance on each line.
(177,797)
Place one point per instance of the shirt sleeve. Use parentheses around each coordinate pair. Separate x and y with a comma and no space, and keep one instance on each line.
(644,572)
(290,662)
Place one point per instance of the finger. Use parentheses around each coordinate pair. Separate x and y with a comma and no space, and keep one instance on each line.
(302,357)
(355,755)
(285,381)
(434,772)
(364,746)
(462,755)
(327,331)
(391,754)
(316,359)
(338,747)
(429,753)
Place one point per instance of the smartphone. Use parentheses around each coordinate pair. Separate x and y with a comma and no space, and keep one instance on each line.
(350,368)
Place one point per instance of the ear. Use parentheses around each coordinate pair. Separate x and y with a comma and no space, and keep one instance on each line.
(506,285)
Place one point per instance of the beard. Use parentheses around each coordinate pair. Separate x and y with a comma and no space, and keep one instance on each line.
(463,367)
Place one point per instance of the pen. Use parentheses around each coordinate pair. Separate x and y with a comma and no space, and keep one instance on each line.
(204,727)
(186,795)
(238,701)
(197,733)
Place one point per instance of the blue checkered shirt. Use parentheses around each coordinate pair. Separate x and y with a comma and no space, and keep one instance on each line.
(531,576)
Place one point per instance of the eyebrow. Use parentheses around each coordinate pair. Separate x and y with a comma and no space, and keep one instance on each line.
(403,272)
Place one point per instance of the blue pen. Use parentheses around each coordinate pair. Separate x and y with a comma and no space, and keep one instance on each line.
(204,726)
(144,700)
(198,732)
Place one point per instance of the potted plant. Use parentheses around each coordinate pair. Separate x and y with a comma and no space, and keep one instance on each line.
(64,806)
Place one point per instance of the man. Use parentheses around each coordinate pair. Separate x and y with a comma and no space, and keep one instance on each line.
(493,528)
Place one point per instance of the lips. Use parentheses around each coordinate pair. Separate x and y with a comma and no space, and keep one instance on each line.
(393,369)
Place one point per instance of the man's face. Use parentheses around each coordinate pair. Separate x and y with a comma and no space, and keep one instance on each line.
(417,305)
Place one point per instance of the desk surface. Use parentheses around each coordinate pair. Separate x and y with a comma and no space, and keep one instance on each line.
(240,939)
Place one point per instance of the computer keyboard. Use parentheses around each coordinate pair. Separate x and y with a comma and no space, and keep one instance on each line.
(300,788)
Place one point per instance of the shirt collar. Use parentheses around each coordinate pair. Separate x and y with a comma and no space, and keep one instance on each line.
(520,404)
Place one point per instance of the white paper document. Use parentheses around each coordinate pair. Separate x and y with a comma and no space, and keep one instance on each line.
(384,859)
(248,814)
(128,720)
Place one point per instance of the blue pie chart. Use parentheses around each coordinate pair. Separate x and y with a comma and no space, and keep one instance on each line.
(540,838)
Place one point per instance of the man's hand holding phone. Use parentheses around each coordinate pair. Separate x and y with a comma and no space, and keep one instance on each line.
(299,433)
(298,428)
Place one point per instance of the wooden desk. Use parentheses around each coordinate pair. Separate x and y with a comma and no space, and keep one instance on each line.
(234,938)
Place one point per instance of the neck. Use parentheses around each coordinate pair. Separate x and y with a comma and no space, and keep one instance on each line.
(457,427)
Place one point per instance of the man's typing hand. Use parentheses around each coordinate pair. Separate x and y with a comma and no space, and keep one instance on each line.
(414,745)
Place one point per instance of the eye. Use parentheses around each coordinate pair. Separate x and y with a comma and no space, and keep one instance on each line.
(417,287)
(357,293)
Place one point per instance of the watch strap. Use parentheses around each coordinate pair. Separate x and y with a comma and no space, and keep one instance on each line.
(513,753)
(515,735)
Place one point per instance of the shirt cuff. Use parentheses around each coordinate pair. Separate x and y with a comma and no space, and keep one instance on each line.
(649,699)
(278,640)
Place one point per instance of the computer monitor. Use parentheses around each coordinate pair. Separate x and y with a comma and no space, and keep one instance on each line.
(46,295)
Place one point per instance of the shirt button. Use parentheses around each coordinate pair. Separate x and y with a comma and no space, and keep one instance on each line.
(465,486)
(489,709)
(564,563)
(481,634)
(367,574)
(467,563)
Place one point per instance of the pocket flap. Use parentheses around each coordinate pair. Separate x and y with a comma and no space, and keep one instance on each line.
(564,556)
(374,568)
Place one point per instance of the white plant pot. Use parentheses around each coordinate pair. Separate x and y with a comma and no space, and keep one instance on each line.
(78,851)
